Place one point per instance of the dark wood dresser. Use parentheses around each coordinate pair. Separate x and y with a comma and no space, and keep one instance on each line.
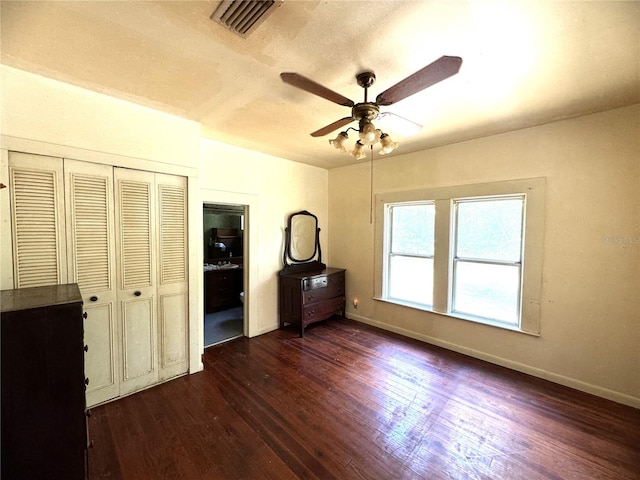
(311,296)
(44,429)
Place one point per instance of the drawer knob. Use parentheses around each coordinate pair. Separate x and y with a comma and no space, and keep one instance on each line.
(84,315)
(94,298)
(137,293)
(86,381)
(86,348)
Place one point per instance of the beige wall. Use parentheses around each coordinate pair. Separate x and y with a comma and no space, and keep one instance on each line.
(590,320)
(272,188)
(38,108)
(590,313)
(48,117)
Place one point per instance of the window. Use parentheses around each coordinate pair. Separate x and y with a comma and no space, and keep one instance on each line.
(487,258)
(411,253)
(471,252)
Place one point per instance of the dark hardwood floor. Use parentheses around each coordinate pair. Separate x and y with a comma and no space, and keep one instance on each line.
(350,401)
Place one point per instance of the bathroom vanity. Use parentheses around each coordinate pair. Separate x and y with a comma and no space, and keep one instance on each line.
(222,287)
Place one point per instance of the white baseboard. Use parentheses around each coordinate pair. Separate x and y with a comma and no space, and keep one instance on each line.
(504,362)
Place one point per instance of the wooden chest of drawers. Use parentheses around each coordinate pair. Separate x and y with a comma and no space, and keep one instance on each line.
(308,297)
(44,429)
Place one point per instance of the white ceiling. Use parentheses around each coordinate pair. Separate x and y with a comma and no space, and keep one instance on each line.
(525,63)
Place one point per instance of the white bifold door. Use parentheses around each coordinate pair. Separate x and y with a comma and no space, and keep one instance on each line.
(120,234)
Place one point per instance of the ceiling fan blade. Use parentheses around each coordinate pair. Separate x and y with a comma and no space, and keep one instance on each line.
(315,88)
(332,126)
(433,73)
(394,122)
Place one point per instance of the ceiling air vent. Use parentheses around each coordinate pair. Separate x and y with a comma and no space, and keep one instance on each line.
(244,16)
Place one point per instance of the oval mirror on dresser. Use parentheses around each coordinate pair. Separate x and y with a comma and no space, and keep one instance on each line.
(308,291)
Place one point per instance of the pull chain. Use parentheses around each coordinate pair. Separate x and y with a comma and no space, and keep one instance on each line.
(371,186)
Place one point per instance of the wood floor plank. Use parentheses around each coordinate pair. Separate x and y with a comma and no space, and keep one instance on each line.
(350,401)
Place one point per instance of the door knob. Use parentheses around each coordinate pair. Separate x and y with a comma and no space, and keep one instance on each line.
(84,315)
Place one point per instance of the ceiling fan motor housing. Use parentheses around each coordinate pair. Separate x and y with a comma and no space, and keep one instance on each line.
(365,111)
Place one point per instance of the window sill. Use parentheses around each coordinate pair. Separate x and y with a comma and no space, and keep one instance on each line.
(458,316)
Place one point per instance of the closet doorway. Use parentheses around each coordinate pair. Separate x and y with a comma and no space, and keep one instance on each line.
(223,261)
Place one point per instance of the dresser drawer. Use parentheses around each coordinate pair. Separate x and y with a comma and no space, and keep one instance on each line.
(322,281)
(323,310)
(333,288)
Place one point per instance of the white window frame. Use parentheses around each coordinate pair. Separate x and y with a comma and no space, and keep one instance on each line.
(456,259)
(532,189)
(389,253)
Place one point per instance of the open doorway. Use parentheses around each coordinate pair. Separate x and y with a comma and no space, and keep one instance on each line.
(223,259)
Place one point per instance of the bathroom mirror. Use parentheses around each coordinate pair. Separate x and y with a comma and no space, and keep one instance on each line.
(302,243)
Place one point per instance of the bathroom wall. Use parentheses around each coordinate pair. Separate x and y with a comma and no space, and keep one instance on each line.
(211,219)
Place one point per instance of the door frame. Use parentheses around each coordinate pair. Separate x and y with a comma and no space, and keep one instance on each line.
(245,259)
(250,256)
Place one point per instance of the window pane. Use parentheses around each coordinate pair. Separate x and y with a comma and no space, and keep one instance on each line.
(490,230)
(489,291)
(412,229)
(411,279)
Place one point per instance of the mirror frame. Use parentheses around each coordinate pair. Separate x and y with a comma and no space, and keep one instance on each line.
(289,261)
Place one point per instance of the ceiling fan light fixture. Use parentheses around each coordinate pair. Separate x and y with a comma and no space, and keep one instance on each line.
(368,132)
(358,151)
(388,145)
(338,142)
(378,135)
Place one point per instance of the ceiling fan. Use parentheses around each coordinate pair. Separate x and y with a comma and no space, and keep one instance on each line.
(366,111)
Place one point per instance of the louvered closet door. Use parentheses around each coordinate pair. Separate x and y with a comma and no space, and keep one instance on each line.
(91,264)
(37,220)
(135,224)
(172,275)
